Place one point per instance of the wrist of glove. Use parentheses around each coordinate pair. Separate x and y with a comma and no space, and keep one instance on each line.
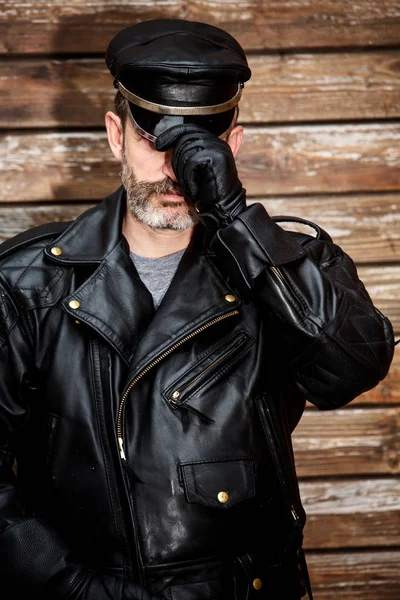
(206,171)
(78,583)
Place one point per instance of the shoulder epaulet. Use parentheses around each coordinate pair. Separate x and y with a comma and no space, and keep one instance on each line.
(319,233)
(26,238)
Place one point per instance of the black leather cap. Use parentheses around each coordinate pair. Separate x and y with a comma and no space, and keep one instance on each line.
(174,62)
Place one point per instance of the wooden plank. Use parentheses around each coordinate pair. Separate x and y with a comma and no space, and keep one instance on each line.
(321,159)
(387,391)
(318,87)
(355,575)
(277,160)
(286,87)
(366,226)
(383,284)
(72,166)
(19,218)
(354,513)
(55,93)
(352,441)
(56,26)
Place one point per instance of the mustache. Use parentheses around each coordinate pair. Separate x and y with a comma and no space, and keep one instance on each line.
(165,186)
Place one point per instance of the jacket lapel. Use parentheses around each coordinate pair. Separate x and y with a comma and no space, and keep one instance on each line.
(112,299)
(114,302)
(196,296)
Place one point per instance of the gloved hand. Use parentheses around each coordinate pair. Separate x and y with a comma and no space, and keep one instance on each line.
(206,171)
(77,583)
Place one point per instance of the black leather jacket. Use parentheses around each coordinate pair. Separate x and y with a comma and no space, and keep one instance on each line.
(156,445)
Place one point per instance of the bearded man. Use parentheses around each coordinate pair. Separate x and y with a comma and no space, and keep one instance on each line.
(156,355)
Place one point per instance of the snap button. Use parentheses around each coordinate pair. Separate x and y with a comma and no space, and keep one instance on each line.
(257,584)
(56,251)
(74,304)
(223,497)
(230,298)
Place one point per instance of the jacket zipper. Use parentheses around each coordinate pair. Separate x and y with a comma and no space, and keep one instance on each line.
(175,398)
(277,451)
(278,273)
(293,512)
(288,289)
(155,362)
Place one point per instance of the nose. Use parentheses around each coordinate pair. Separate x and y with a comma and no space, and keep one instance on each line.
(167,166)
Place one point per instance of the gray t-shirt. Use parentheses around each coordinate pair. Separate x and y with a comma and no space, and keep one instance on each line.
(157,273)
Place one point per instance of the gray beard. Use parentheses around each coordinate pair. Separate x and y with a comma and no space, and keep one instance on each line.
(139,196)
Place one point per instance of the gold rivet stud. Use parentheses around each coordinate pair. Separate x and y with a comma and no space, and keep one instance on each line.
(230,298)
(77,322)
(56,251)
(223,497)
(74,304)
(257,584)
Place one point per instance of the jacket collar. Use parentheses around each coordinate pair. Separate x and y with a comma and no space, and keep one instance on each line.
(93,235)
(114,301)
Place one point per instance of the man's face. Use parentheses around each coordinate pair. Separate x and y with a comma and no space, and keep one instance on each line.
(153,194)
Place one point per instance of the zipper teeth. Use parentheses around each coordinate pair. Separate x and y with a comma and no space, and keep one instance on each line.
(277,273)
(189,383)
(155,362)
(281,470)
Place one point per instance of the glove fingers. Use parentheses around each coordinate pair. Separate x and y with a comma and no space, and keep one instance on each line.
(180,159)
(168,138)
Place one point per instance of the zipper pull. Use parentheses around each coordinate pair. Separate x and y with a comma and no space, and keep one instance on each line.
(174,397)
(121,448)
(295,516)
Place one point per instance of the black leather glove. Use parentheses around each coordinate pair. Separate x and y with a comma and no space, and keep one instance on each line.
(206,171)
(76,583)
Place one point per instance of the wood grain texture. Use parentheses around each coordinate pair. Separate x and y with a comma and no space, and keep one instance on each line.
(17,218)
(355,575)
(352,513)
(383,284)
(40,93)
(56,26)
(273,160)
(366,226)
(284,88)
(315,87)
(388,390)
(352,441)
(320,159)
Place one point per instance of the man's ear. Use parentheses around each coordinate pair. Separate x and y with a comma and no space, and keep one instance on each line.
(115,134)
(235,139)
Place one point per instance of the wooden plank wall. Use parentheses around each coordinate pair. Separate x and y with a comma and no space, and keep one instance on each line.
(322,141)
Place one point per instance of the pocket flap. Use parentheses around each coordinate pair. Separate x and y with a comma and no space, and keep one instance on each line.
(219,483)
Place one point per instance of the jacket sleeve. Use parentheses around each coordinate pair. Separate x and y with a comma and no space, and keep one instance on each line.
(332,340)
(34,559)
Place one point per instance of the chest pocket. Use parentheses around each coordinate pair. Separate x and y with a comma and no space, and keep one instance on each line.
(218,484)
(208,370)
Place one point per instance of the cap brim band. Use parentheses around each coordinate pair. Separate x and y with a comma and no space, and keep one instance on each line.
(150,125)
(180,110)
